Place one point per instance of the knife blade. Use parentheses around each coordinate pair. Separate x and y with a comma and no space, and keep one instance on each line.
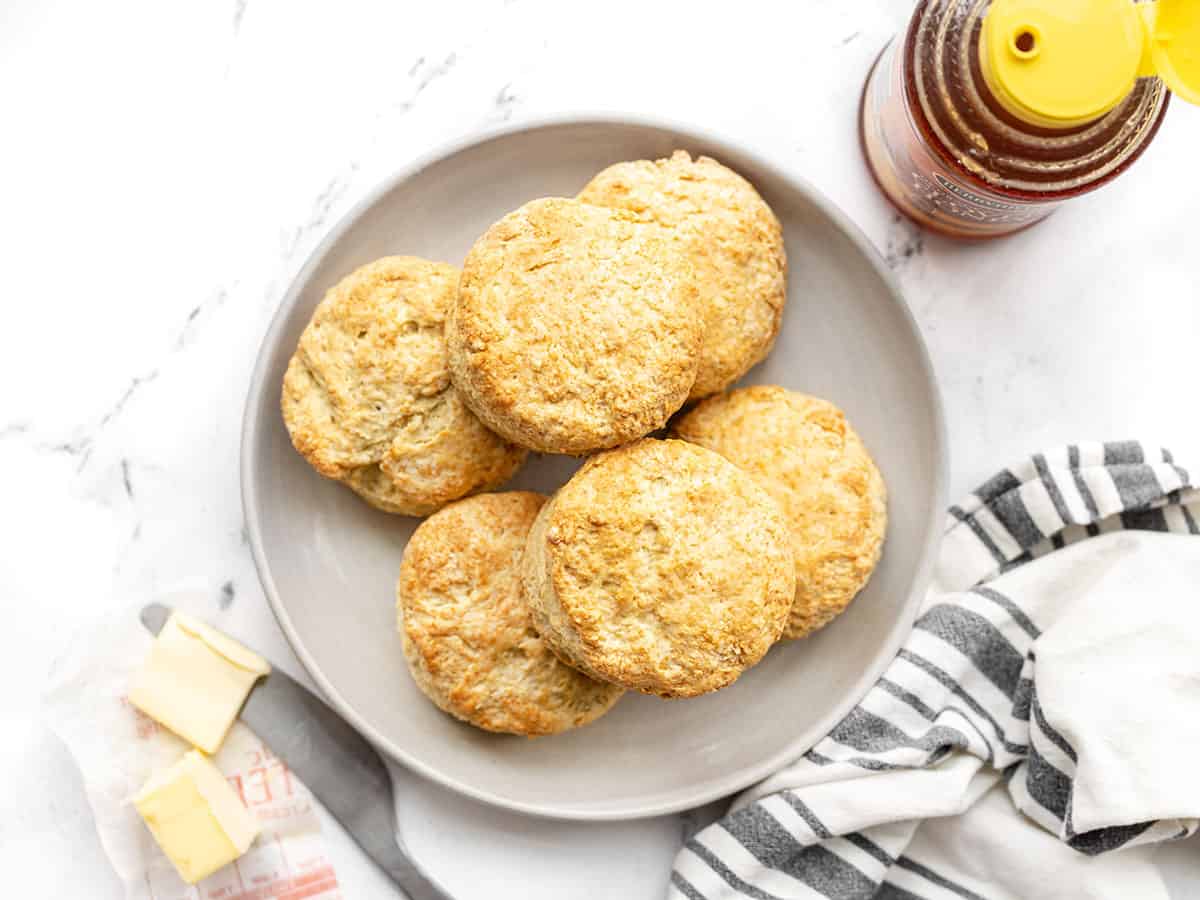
(334,761)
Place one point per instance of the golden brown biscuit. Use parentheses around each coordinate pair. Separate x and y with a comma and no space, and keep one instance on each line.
(576,328)
(660,567)
(467,635)
(367,397)
(806,455)
(734,241)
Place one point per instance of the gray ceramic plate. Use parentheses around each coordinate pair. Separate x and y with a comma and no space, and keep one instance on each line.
(328,562)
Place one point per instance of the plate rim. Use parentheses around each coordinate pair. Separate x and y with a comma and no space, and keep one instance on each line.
(733,782)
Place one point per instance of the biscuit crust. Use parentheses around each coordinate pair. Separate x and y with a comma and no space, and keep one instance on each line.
(804,453)
(660,567)
(735,244)
(367,397)
(466,629)
(576,327)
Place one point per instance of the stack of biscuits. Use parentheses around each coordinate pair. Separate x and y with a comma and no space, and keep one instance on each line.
(591,327)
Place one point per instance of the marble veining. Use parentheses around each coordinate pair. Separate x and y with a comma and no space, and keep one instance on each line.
(239,13)
(422,74)
(79,445)
(905,242)
(329,198)
(13,429)
(505,103)
(126,478)
(195,318)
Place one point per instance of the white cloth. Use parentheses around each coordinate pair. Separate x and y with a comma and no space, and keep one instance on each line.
(1044,713)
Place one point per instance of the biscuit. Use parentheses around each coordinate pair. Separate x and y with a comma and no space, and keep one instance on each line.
(465,626)
(576,328)
(805,454)
(367,397)
(735,244)
(660,567)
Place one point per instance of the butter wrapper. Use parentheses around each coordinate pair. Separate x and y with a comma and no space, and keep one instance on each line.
(300,851)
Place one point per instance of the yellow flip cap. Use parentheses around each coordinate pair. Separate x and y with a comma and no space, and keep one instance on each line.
(1173,35)
(1062,63)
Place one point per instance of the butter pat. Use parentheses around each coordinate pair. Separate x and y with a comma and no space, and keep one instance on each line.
(195,816)
(195,681)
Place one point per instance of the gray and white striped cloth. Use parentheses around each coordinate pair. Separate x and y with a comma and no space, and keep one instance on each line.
(1044,712)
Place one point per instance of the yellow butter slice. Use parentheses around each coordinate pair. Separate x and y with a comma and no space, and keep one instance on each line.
(196,817)
(195,680)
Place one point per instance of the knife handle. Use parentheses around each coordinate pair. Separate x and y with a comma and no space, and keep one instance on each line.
(341,769)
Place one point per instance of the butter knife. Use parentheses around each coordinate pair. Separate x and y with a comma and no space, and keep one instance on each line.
(334,761)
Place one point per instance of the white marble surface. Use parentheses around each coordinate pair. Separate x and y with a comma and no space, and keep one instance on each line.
(166,168)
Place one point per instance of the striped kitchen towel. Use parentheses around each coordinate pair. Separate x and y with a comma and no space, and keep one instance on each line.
(1044,712)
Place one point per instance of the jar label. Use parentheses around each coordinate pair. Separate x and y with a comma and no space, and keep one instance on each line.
(919,181)
(970,196)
